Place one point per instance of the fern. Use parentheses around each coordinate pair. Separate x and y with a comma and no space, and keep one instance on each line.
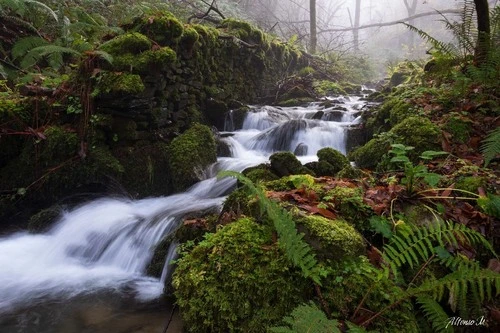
(295,248)
(53,54)
(483,283)
(414,245)
(446,48)
(435,314)
(491,146)
(24,45)
(307,318)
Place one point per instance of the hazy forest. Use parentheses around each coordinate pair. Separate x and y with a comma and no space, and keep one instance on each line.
(280,166)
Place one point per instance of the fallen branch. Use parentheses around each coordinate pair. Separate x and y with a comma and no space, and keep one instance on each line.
(385,24)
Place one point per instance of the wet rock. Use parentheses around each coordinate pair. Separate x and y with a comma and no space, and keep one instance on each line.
(301,149)
(318,115)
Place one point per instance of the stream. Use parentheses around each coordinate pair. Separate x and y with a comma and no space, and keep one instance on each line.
(87,273)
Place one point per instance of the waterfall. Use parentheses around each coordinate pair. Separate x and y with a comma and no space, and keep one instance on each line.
(107,244)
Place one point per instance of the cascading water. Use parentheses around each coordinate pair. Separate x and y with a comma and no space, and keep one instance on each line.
(103,247)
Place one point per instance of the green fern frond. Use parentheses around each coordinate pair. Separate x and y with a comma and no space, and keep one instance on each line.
(104,56)
(445,48)
(295,248)
(435,314)
(307,318)
(491,146)
(24,45)
(45,8)
(481,282)
(414,245)
(53,53)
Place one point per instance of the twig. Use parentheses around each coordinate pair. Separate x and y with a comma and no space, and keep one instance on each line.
(170,318)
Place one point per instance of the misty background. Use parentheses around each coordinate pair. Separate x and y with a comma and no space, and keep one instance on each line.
(383,45)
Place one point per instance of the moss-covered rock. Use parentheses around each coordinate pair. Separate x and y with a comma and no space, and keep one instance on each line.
(327,88)
(161,26)
(286,163)
(418,132)
(295,101)
(236,280)
(331,239)
(349,172)
(333,157)
(370,154)
(261,175)
(131,42)
(42,220)
(348,203)
(189,154)
(155,267)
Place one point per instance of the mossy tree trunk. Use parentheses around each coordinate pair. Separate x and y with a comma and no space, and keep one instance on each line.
(483,28)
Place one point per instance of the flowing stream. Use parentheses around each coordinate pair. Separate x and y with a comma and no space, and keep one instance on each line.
(87,273)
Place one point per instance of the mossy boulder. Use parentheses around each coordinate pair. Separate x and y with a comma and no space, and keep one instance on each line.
(349,204)
(328,88)
(286,163)
(350,172)
(161,26)
(321,168)
(369,155)
(243,30)
(44,219)
(236,280)
(418,132)
(155,267)
(189,154)
(295,101)
(333,157)
(261,174)
(332,239)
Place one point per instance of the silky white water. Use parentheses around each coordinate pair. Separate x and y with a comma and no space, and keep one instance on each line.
(106,245)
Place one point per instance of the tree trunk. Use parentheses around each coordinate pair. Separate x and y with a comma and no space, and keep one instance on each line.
(357,15)
(312,26)
(411,9)
(483,28)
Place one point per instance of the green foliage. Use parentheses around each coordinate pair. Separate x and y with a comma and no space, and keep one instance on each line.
(413,245)
(326,88)
(190,153)
(307,318)
(435,314)
(490,204)
(414,173)
(295,248)
(236,280)
(491,146)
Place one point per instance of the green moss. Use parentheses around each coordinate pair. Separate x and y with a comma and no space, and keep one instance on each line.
(326,88)
(471,184)
(351,282)
(459,127)
(129,43)
(332,239)
(190,153)
(240,203)
(333,157)
(369,155)
(44,219)
(418,132)
(208,35)
(61,143)
(189,38)
(161,26)
(261,175)
(349,172)
(348,202)
(285,163)
(295,101)
(306,71)
(236,280)
(159,59)
(243,30)
(118,82)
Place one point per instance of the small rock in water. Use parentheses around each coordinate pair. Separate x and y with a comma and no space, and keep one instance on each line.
(301,150)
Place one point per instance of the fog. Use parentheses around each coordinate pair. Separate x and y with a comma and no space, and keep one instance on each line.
(289,19)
